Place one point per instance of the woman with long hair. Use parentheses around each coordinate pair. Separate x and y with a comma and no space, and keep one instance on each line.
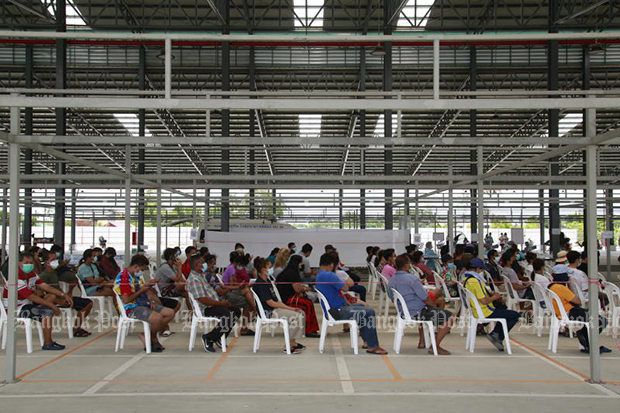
(281,260)
(293,293)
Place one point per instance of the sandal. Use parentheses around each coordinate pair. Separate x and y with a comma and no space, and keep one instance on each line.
(81,333)
(377,350)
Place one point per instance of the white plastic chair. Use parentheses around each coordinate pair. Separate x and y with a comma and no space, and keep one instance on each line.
(177,316)
(513,298)
(124,322)
(329,321)
(404,319)
(384,295)
(198,318)
(28,324)
(471,303)
(263,320)
(560,320)
(613,293)
(575,287)
(375,280)
(99,299)
(540,312)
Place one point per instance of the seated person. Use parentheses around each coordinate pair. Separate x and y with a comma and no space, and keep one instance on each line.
(275,309)
(30,305)
(49,274)
(419,263)
(88,273)
(571,304)
(308,275)
(388,268)
(341,265)
(419,304)
(97,257)
(539,265)
(492,267)
(238,293)
(580,278)
(171,281)
(293,293)
(137,303)
(522,288)
(282,258)
(210,302)
(63,264)
(109,264)
(449,275)
(272,256)
(189,251)
(332,287)
(474,282)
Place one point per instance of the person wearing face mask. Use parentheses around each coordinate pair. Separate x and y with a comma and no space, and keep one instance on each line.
(475,283)
(332,287)
(137,300)
(171,281)
(449,275)
(97,257)
(238,290)
(291,246)
(30,305)
(571,304)
(293,293)
(93,283)
(211,302)
(50,274)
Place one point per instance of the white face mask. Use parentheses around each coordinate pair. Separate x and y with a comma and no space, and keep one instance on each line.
(270,272)
(54,264)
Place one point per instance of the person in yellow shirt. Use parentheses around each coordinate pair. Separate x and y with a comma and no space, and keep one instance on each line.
(476,284)
(571,304)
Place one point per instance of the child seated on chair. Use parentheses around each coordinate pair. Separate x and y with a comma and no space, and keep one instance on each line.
(420,303)
(30,305)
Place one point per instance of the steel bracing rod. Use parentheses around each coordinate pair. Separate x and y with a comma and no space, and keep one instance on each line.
(33,11)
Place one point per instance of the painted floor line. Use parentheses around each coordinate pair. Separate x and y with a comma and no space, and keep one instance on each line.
(343,369)
(567,370)
(314,394)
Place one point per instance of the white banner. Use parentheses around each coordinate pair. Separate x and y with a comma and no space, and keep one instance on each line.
(350,243)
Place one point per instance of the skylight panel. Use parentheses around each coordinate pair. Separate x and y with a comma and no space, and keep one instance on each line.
(309,13)
(379,131)
(310,127)
(131,123)
(415,14)
(74,18)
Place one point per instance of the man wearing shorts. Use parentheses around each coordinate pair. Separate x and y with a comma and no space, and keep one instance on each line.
(30,305)
(419,304)
(136,303)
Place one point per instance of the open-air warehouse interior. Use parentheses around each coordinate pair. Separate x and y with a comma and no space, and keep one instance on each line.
(138,122)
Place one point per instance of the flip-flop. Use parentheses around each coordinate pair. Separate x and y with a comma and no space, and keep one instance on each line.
(377,350)
(81,333)
(248,333)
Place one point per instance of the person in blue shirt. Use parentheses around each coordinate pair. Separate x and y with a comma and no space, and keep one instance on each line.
(419,304)
(328,283)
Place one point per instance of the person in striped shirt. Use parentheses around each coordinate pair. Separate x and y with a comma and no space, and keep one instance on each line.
(137,303)
(30,305)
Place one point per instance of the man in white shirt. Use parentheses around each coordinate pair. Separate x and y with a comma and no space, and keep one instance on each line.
(580,277)
(308,275)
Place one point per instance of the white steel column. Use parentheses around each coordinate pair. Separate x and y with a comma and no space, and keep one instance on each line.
(127,257)
(450,213)
(5,198)
(591,247)
(168,68)
(158,221)
(436,69)
(480,193)
(417,214)
(14,172)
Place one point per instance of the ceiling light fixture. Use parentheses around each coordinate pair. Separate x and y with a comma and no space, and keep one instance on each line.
(597,49)
(379,50)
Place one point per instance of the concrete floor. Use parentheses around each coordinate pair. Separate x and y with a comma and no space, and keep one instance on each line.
(531,378)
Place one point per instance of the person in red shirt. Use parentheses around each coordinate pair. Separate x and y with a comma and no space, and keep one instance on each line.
(185,269)
(109,265)
(30,305)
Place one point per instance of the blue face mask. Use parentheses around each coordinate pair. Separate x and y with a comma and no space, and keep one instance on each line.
(270,272)
(451,265)
(179,253)
(205,267)
(58,254)
(293,250)
(138,274)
